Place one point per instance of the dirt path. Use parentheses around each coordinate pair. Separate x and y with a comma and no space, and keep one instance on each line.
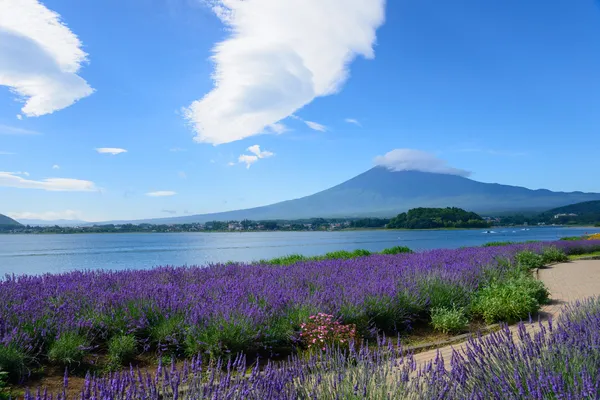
(567,282)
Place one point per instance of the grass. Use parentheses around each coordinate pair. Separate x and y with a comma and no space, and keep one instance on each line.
(334,255)
(580,256)
(121,350)
(68,350)
(449,320)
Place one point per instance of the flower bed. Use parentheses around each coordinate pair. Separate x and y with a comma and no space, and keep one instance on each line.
(225,309)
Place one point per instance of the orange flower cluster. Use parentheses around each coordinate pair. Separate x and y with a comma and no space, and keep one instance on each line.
(595,236)
(323,329)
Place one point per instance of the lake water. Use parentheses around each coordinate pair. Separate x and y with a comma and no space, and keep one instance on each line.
(37,254)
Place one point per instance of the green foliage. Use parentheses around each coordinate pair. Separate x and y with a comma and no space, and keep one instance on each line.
(221,337)
(13,362)
(440,293)
(509,301)
(121,349)
(279,331)
(69,349)
(396,250)
(449,320)
(529,260)
(167,333)
(573,238)
(553,255)
(285,260)
(497,244)
(430,218)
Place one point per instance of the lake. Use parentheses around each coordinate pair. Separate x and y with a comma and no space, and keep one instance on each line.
(37,254)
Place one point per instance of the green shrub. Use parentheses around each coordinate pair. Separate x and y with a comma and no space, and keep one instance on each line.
(121,349)
(529,260)
(280,331)
(3,384)
(221,338)
(396,250)
(285,260)
(361,253)
(440,293)
(553,255)
(340,254)
(167,333)
(449,320)
(13,362)
(509,301)
(69,349)
(574,238)
(497,244)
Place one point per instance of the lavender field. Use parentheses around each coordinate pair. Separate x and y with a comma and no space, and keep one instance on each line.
(561,361)
(220,310)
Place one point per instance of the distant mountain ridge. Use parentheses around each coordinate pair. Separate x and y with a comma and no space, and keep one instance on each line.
(7,221)
(59,222)
(380,192)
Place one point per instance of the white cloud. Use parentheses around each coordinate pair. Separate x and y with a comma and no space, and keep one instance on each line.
(47,216)
(11,130)
(19,117)
(6,153)
(256,155)
(247,159)
(40,57)
(255,149)
(110,150)
(230,164)
(352,121)
(279,57)
(315,126)
(169,211)
(416,160)
(15,180)
(278,128)
(161,193)
(56,166)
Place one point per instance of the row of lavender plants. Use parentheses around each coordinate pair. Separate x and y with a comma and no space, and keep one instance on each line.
(559,361)
(226,309)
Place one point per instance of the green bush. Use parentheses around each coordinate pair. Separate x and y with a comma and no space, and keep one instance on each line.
(509,301)
(440,293)
(3,385)
(221,338)
(497,244)
(449,319)
(529,260)
(121,349)
(69,349)
(167,333)
(361,253)
(13,362)
(553,255)
(573,238)
(396,250)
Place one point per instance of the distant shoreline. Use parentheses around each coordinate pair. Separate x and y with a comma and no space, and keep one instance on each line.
(308,231)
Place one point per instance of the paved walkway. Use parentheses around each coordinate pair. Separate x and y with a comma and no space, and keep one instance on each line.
(567,282)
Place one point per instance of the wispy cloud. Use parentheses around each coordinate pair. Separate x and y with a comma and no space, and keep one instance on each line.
(6,153)
(40,57)
(316,126)
(278,128)
(161,193)
(172,212)
(280,56)
(11,130)
(111,150)
(352,121)
(256,155)
(47,215)
(176,149)
(56,166)
(16,180)
(417,160)
(182,174)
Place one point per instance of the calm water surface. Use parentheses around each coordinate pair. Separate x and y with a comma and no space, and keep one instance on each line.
(37,254)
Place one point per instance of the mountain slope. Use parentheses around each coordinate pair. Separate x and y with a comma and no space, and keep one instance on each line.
(385,193)
(6,221)
(59,222)
(585,208)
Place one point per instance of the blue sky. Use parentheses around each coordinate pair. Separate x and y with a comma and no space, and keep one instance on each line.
(301,95)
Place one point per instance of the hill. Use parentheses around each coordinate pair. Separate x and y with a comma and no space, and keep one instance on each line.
(587,212)
(380,192)
(7,222)
(59,222)
(431,218)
